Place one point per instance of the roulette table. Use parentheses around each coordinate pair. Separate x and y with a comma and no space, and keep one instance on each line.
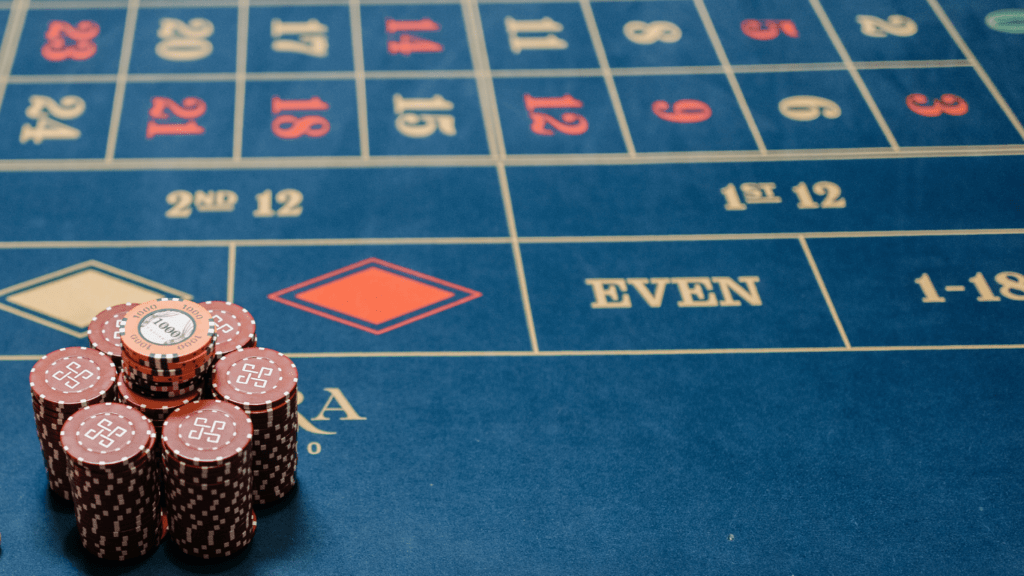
(572,287)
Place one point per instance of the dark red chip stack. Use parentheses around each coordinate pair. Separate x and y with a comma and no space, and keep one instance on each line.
(236,328)
(63,382)
(207,454)
(104,332)
(114,477)
(263,383)
(167,348)
(156,409)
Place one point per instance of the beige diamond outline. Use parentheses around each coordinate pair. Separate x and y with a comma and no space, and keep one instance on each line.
(93,264)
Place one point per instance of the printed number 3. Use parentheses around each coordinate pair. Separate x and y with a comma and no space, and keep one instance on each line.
(949,104)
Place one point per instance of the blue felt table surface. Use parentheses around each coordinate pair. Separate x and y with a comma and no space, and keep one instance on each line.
(705,286)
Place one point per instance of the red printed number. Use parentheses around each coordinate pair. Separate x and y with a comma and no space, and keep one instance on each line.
(290,127)
(682,111)
(189,109)
(949,104)
(408,44)
(766,30)
(64,41)
(572,123)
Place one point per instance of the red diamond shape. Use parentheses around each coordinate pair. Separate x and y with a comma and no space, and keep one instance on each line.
(374,295)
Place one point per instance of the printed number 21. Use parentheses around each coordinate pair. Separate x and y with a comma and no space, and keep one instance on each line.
(189,109)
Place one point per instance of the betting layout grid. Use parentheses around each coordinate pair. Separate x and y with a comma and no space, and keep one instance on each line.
(612,77)
(764,53)
(652,286)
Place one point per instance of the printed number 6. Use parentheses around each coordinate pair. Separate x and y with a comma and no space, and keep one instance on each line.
(808,108)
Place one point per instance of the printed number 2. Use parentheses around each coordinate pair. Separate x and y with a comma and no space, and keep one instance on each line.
(82,47)
(895,25)
(189,109)
(572,123)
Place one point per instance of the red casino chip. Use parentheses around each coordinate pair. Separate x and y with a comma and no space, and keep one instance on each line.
(264,384)
(72,376)
(236,328)
(114,474)
(159,377)
(207,432)
(255,377)
(103,330)
(154,408)
(107,435)
(160,333)
(207,455)
(63,382)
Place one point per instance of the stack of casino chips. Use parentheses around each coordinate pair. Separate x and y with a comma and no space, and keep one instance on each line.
(263,383)
(236,328)
(207,454)
(63,382)
(104,331)
(156,409)
(114,477)
(167,348)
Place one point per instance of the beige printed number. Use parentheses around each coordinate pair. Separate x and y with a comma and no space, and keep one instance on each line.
(290,201)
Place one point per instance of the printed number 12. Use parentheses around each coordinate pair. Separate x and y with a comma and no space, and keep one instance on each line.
(572,123)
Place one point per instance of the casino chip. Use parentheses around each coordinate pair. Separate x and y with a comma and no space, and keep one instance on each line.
(162,460)
(113,473)
(103,331)
(207,455)
(263,383)
(167,348)
(236,328)
(63,382)
(156,409)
